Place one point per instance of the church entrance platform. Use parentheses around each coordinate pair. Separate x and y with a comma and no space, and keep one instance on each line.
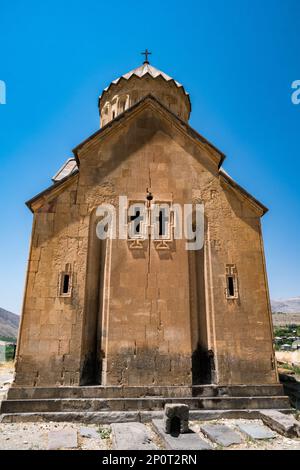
(117,403)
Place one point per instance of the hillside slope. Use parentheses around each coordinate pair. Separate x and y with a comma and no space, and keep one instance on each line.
(286,305)
(9,323)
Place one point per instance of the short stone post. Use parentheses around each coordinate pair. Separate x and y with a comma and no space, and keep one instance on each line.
(176,418)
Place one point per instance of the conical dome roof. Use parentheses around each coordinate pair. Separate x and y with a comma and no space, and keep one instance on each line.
(142,70)
(129,88)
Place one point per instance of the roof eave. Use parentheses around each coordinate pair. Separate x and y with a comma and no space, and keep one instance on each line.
(50,189)
(128,111)
(239,188)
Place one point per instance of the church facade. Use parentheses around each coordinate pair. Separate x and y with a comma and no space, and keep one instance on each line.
(140,311)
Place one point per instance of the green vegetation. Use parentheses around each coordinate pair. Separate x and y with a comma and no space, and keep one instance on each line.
(291,367)
(104,432)
(9,353)
(288,330)
(285,334)
(8,339)
(8,350)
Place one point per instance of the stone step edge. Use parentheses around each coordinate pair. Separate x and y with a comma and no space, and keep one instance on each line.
(156,386)
(104,417)
(154,398)
(121,387)
(159,389)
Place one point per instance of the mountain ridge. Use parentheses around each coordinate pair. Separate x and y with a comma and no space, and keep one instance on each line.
(9,323)
(291,305)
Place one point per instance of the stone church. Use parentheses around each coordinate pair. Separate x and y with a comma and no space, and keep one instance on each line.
(138,315)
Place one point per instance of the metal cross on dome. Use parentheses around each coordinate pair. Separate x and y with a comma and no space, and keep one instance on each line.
(146,53)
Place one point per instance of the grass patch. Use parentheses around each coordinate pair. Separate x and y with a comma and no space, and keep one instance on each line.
(290,367)
(104,432)
(8,339)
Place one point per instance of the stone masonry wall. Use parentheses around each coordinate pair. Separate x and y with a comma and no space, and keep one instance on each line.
(147,326)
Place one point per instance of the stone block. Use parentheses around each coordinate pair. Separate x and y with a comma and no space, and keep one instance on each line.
(256,431)
(89,433)
(131,436)
(65,439)
(221,434)
(188,441)
(281,423)
(176,418)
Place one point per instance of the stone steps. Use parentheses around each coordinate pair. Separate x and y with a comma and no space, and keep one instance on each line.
(119,403)
(25,393)
(133,404)
(108,417)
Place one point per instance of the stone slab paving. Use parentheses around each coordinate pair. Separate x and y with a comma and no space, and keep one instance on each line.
(64,439)
(280,442)
(257,431)
(6,379)
(221,434)
(188,441)
(34,436)
(25,436)
(89,433)
(131,436)
(282,423)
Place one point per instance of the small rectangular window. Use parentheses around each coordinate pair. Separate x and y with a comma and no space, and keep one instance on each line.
(231,282)
(230,286)
(136,221)
(137,226)
(161,222)
(66,283)
(65,286)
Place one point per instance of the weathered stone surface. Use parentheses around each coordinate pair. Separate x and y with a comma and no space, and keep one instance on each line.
(131,436)
(256,431)
(178,412)
(123,416)
(82,417)
(65,439)
(102,391)
(89,432)
(187,441)
(221,434)
(34,436)
(138,404)
(280,422)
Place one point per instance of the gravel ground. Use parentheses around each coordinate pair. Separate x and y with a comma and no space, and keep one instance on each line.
(25,436)
(34,436)
(6,377)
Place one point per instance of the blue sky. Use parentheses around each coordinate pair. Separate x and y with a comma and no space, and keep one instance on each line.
(237,59)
